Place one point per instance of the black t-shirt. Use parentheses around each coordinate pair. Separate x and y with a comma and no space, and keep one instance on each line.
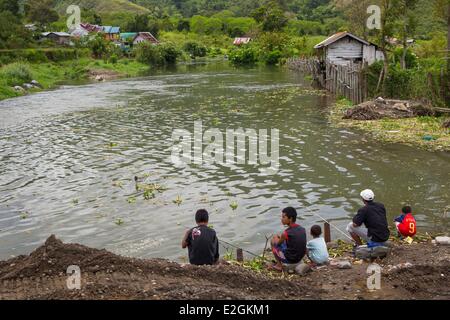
(295,243)
(203,245)
(373,215)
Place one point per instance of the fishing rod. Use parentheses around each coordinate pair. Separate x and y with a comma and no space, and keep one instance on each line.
(325,220)
(236,247)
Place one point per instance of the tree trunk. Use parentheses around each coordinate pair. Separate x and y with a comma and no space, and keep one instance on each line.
(447,99)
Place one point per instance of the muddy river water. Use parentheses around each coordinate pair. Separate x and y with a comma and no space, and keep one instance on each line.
(68,159)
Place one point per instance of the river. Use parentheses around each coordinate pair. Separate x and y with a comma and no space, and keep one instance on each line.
(68,158)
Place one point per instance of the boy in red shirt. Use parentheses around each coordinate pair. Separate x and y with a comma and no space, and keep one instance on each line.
(405,223)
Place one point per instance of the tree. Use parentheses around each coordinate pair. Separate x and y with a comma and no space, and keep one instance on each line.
(270,16)
(407,24)
(11,6)
(140,23)
(387,24)
(442,10)
(356,14)
(41,12)
(12,33)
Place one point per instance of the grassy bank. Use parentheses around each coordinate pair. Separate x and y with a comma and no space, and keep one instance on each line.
(423,132)
(52,74)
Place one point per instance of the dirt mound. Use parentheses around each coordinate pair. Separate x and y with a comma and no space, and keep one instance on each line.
(105,275)
(423,282)
(381,108)
(418,271)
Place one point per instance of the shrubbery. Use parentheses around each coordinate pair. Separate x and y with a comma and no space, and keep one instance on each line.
(195,49)
(156,55)
(244,55)
(16,73)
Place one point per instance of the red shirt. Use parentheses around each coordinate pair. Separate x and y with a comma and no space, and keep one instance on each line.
(408,226)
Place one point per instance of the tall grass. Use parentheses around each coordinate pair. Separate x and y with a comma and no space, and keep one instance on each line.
(16,73)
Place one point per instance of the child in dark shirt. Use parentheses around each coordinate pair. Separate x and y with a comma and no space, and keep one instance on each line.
(201,241)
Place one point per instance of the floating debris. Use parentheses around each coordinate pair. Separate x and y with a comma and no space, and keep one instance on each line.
(117,184)
(178,201)
(233,205)
(24,215)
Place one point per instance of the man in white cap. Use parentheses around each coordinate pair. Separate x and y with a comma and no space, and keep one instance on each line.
(370,224)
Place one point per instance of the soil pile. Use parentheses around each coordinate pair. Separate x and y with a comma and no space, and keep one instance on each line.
(381,108)
(418,271)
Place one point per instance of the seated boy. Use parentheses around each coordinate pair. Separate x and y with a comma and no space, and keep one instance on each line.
(405,223)
(290,246)
(201,241)
(316,249)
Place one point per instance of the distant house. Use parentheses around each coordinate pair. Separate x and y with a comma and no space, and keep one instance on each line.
(85,29)
(111,33)
(127,38)
(144,37)
(61,38)
(344,47)
(239,41)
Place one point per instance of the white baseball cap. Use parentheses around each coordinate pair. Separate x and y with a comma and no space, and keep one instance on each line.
(367,195)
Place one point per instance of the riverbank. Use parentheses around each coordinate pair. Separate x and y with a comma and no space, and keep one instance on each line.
(417,271)
(424,132)
(50,75)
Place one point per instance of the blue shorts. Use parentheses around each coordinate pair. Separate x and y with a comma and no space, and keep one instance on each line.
(372,244)
(278,252)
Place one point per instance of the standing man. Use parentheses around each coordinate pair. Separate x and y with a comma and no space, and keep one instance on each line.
(373,215)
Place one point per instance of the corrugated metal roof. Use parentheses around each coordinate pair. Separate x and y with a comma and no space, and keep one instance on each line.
(128,35)
(110,29)
(337,36)
(60,34)
(241,40)
(147,36)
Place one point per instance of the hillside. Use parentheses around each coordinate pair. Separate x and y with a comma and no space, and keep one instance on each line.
(101,6)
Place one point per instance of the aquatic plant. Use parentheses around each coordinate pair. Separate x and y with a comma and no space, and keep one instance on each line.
(148,194)
(131,199)
(233,205)
(117,184)
(119,221)
(178,200)
(75,201)
(24,215)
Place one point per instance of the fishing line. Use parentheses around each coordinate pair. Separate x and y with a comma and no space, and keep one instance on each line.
(234,246)
(319,216)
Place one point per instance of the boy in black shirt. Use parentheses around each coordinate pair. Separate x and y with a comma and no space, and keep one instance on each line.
(201,241)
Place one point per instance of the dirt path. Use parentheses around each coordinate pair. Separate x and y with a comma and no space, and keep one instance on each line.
(42,275)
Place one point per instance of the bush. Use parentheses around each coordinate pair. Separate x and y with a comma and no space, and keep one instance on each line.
(157,55)
(243,55)
(169,53)
(272,57)
(16,73)
(195,49)
(113,59)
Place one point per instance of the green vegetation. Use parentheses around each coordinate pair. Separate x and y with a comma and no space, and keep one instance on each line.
(424,132)
(50,75)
